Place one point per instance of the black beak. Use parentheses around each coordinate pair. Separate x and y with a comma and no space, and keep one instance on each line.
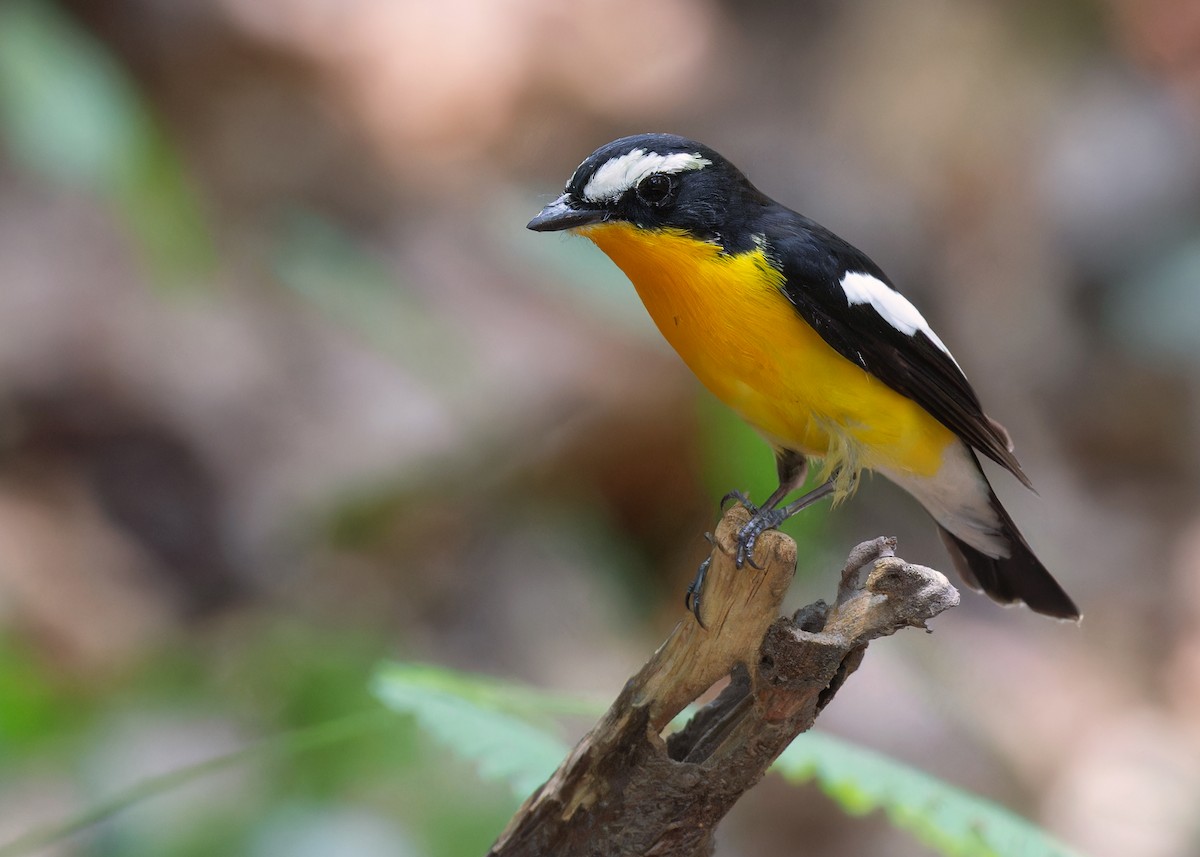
(564,213)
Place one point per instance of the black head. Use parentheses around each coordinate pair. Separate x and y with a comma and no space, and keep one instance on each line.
(655,181)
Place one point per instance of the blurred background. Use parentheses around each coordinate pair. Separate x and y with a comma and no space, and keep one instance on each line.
(286,388)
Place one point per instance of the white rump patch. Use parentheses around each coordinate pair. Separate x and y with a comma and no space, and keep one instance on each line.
(959,498)
(892,306)
(619,174)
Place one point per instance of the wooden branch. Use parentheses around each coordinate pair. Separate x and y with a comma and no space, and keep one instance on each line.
(624,790)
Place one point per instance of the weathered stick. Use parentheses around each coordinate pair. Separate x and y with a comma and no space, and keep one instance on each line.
(624,790)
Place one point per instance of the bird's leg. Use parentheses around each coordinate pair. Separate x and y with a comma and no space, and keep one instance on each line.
(792,469)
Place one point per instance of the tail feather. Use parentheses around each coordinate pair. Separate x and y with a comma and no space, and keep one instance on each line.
(1020,576)
(987,548)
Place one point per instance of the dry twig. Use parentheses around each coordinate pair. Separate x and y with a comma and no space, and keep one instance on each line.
(625,790)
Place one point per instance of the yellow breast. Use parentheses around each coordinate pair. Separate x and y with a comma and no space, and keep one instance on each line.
(730,321)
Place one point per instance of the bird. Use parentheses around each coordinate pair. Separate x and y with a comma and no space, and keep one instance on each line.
(809,342)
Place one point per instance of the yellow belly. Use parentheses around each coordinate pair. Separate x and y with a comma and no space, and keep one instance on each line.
(731,323)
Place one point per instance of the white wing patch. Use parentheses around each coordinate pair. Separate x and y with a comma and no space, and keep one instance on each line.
(619,174)
(892,306)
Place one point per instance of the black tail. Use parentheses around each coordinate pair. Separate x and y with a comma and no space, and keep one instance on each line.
(1017,577)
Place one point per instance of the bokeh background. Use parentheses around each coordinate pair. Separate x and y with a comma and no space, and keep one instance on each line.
(286,388)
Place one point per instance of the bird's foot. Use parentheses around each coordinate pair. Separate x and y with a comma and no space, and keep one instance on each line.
(760,521)
(691,599)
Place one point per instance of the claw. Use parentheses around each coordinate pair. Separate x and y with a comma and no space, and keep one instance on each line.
(740,497)
(745,554)
(691,598)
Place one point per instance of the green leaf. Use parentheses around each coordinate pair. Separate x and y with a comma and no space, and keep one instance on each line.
(36,709)
(500,727)
(948,819)
(325,264)
(70,111)
(289,743)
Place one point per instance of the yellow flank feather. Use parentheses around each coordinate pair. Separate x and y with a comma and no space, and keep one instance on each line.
(730,321)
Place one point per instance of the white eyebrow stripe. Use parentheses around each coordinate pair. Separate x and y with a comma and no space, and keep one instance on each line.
(893,307)
(619,174)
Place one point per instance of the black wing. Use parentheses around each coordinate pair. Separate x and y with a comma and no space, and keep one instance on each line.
(813,261)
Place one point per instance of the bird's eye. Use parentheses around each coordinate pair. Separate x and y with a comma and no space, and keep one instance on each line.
(656,189)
